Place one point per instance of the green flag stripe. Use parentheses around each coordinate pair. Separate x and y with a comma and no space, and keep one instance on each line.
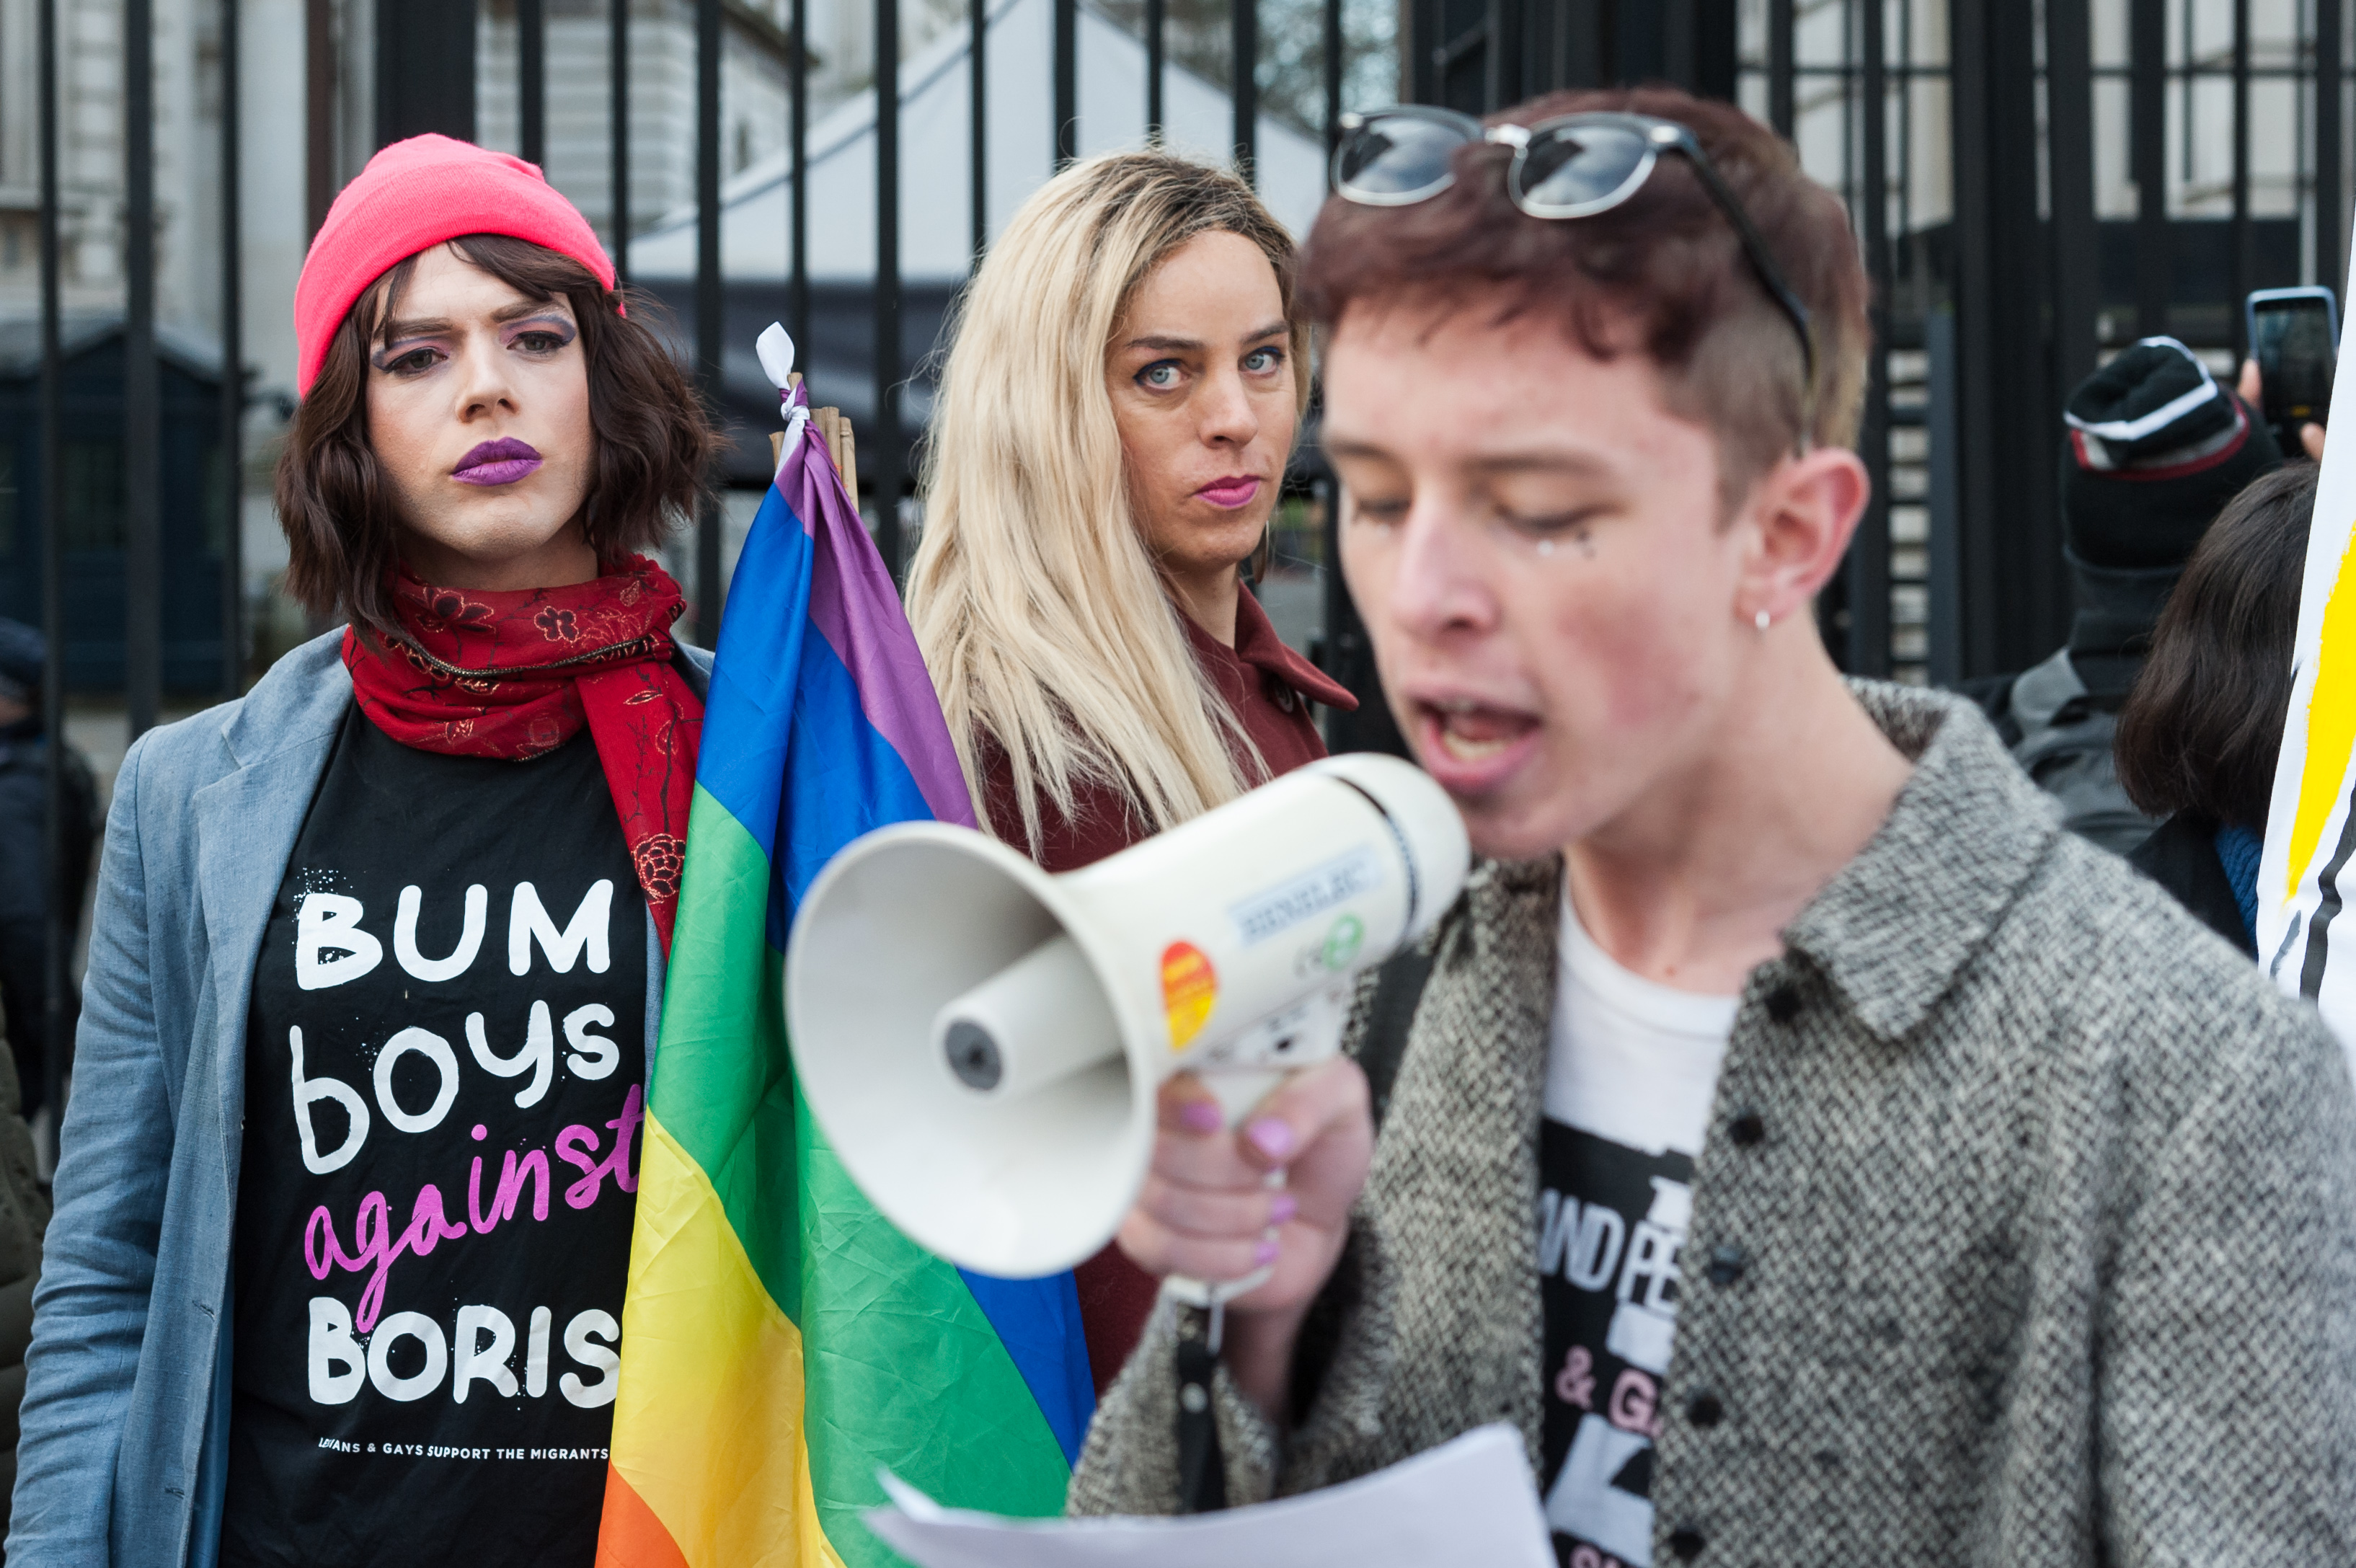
(722,1083)
(893,1339)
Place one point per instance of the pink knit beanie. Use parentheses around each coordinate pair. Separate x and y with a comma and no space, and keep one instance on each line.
(411,197)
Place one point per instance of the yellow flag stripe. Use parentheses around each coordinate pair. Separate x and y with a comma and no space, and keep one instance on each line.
(708,1418)
(2330,725)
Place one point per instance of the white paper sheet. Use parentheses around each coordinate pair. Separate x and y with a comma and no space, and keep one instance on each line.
(1469,1501)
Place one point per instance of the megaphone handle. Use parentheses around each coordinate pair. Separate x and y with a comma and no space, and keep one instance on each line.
(1239,1092)
(1217,1293)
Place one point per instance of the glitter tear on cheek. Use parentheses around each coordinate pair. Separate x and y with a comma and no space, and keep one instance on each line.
(1546,546)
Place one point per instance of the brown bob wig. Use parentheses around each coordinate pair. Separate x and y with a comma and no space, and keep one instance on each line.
(2201,730)
(654,442)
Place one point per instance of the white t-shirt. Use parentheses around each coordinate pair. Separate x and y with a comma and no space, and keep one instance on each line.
(1631,1068)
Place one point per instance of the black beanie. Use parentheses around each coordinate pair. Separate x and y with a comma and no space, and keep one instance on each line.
(2156,448)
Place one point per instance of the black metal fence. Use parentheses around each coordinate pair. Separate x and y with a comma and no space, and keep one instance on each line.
(2032,182)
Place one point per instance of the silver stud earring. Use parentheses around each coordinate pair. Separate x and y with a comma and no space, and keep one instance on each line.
(1762,620)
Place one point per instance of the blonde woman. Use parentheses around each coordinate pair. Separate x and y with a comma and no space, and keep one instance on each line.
(1126,381)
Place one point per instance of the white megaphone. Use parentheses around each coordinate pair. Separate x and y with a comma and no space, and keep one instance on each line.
(982,1043)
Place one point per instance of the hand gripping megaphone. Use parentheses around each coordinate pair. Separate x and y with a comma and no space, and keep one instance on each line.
(982,1043)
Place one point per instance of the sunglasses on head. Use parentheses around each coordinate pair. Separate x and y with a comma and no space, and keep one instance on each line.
(1571,167)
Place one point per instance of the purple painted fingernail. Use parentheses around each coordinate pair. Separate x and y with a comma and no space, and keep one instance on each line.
(1264,1253)
(1281,1208)
(1201,1116)
(1270,1136)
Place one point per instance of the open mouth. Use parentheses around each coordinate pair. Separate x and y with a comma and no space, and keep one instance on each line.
(1235,490)
(501,462)
(1467,743)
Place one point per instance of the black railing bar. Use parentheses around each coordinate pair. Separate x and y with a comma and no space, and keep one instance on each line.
(888,349)
(1847,95)
(1868,582)
(232,387)
(2187,121)
(2328,233)
(531,79)
(1156,44)
(1493,33)
(797,293)
(56,935)
(1781,74)
(2069,162)
(978,93)
(2303,151)
(1067,69)
(1905,76)
(1243,68)
(318,112)
(617,130)
(708,300)
(1335,62)
(2189,127)
(2147,164)
(1423,24)
(143,534)
(2240,263)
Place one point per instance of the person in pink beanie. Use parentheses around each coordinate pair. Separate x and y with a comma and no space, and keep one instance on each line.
(347,1182)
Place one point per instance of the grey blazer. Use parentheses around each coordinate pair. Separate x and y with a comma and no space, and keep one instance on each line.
(2024,1232)
(123,1458)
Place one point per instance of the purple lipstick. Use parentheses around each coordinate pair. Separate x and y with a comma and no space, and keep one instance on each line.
(501,462)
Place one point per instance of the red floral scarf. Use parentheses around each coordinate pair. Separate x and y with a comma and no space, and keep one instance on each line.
(516,675)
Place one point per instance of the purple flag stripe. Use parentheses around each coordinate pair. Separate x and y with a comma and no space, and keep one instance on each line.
(858,613)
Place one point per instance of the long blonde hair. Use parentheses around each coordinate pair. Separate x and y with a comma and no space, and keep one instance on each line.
(1034,597)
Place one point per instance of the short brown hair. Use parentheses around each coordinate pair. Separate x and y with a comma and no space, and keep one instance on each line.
(1665,273)
(653,439)
(2201,729)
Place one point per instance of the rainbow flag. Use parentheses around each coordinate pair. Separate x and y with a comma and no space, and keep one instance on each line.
(781,1341)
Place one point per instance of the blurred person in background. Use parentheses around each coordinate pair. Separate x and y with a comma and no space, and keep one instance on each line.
(2200,732)
(346,1191)
(1127,375)
(24,891)
(2155,448)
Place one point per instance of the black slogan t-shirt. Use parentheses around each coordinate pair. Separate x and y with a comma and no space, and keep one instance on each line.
(444,1081)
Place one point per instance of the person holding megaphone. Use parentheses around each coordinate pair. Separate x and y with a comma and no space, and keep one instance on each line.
(1817,1153)
(1127,379)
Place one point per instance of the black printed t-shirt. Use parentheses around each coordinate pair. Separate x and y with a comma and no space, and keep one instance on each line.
(1631,1070)
(445,1076)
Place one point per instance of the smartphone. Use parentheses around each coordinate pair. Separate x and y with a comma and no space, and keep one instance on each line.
(2295,339)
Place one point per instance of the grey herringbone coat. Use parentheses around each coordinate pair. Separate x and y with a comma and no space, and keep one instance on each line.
(2040,1249)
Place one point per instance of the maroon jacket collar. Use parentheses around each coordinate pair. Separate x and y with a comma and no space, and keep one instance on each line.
(1257,645)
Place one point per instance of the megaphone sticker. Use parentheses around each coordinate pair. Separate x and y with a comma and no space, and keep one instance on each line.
(1190,987)
(1341,943)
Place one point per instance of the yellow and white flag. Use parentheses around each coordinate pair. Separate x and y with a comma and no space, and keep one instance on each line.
(2307,935)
